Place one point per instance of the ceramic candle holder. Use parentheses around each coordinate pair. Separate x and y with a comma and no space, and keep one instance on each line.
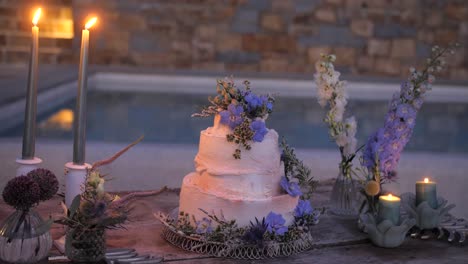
(386,234)
(426,217)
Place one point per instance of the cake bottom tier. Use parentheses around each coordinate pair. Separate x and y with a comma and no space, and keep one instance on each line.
(241,209)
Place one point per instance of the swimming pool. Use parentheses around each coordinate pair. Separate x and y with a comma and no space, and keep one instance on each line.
(122,116)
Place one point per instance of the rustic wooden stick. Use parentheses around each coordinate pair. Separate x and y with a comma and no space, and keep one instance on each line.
(116,155)
(134,195)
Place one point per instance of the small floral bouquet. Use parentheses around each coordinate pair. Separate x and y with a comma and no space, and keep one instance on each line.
(242,110)
(383,149)
(91,213)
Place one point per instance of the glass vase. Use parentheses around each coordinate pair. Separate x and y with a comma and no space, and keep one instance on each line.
(24,238)
(345,196)
(85,246)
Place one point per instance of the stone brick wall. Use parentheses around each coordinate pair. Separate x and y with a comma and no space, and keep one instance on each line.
(373,37)
(56,30)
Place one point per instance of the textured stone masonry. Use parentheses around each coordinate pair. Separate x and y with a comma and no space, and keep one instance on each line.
(378,37)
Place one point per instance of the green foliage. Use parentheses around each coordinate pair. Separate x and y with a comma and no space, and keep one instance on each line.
(242,136)
(229,233)
(94,209)
(296,169)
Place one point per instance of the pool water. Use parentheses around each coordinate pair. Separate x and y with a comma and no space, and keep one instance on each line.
(166,118)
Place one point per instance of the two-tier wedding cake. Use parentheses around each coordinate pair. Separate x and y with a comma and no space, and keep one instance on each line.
(240,172)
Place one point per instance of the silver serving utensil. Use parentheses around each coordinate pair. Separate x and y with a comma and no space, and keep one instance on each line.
(130,260)
(119,251)
(149,261)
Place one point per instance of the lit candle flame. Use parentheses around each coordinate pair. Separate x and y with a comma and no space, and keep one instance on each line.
(390,197)
(91,22)
(37,15)
(426,180)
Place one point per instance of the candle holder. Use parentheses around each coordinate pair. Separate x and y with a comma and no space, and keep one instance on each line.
(27,165)
(75,177)
(386,234)
(426,217)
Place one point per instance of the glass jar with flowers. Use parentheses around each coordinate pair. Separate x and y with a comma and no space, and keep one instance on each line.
(332,96)
(25,236)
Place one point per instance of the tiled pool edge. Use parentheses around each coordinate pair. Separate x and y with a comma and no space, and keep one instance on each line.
(122,82)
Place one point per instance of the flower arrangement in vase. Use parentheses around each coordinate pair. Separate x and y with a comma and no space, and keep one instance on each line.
(331,95)
(382,152)
(91,214)
(25,236)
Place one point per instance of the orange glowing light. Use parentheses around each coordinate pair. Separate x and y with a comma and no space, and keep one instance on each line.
(91,22)
(389,197)
(37,15)
(426,180)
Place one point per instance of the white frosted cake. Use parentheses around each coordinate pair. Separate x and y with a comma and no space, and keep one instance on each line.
(241,189)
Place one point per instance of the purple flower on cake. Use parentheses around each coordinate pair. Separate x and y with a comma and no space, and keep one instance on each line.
(253,100)
(259,129)
(232,116)
(275,224)
(292,188)
(203,226)
(303,208)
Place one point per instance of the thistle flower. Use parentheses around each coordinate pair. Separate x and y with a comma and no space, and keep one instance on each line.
(46,181)
(255,232)
(22,193)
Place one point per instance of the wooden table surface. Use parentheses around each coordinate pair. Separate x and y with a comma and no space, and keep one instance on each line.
(338,240)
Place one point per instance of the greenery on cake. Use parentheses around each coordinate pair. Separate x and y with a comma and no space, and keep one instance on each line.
(270,230)
(298,180)
(242,110)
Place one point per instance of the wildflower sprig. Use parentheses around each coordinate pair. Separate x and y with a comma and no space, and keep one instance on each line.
(384,147)
(331,95)
(296,172)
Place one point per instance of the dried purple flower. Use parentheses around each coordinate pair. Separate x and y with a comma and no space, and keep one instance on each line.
(21,193)
(47,182)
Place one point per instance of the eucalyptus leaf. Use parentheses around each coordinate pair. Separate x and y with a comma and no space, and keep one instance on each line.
(74,206)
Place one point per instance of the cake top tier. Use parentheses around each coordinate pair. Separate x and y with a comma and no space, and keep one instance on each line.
(241,112)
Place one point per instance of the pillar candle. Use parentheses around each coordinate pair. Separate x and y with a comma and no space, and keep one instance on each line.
(426,192)
(29,132)
(389,209)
